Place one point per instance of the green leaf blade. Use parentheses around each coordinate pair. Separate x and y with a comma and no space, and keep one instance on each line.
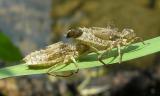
(135,51)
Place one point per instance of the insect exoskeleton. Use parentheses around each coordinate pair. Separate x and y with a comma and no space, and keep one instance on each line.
(103,33)
(127,37)
(111,33)
(95,44)
(54,55)
(86,37)
(103,38)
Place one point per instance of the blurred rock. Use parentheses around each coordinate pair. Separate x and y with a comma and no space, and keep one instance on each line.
(26,21)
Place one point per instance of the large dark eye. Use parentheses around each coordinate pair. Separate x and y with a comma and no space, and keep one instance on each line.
(74,33)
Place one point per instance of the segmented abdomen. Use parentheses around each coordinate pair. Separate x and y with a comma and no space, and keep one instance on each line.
(91,40)
(52,55)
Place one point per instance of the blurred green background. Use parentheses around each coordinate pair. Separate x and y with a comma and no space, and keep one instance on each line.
(29,25)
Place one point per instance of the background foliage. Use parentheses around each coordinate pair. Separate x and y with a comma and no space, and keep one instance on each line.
(8,49)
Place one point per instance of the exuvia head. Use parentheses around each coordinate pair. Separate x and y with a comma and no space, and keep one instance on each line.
(128,33)
(74,33)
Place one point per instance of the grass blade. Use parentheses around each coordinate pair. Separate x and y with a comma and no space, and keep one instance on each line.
(132,52)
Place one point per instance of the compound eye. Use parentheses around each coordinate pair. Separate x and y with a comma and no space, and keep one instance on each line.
(74,33)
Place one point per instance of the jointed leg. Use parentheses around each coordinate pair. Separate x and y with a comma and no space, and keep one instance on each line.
(100,59)
(137,38)
(99,54)
(50,72)
(119,53)
(95,50)
(75,64)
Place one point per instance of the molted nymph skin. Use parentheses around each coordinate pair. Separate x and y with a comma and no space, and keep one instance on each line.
(103,33)
(53,55)
(85,40)
(98,39)
(88,38)
(110,33)
(74,33)
(102,38)
(91,40)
